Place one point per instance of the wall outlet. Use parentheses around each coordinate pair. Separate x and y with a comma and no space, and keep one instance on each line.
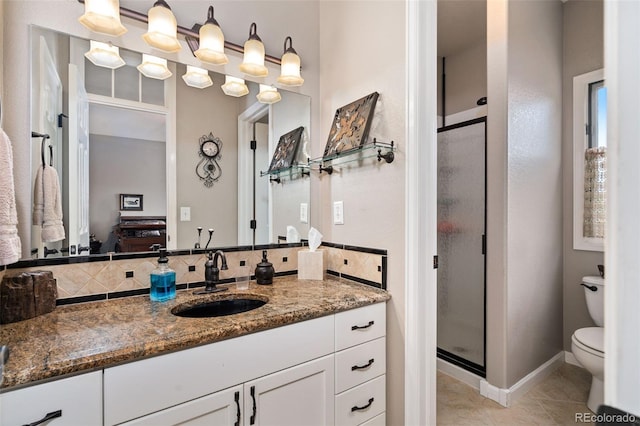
(304,213)
(185,214)
(338,213)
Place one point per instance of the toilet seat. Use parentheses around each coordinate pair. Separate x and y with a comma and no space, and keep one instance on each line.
(590,339)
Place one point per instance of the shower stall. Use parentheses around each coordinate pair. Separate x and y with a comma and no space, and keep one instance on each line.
(462,244)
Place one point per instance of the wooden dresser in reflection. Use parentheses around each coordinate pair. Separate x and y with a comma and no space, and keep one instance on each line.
(140,233)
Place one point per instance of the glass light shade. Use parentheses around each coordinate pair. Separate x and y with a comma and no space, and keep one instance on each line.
(103,16)
(268,94)
(154,67)
(104,55)
(211,48)
(290,70)
(253,61)
(163,28)
(234,86)
(197,77)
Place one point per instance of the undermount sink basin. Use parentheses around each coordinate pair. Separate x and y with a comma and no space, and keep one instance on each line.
(219,308)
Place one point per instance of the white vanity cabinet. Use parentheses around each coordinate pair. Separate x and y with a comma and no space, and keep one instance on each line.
(71,401)
(360,359)
(324,371)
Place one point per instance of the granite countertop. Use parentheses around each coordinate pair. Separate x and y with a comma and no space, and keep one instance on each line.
(89,336)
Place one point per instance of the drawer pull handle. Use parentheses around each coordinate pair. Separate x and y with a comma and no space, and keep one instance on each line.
(360,327)
(49,416)
(362,367)
(364,407)
(252,420)
(237,400)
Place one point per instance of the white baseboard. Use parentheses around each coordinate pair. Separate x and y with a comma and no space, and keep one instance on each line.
(506,397)
(570,358)
(459,373)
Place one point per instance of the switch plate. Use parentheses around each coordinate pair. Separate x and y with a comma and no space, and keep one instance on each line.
(185,214)
(338,213)
(304,213)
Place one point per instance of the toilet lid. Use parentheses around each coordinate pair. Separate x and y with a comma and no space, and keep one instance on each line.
(592,337)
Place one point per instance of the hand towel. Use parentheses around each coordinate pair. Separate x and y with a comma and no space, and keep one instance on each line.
(47,204)
(10,246)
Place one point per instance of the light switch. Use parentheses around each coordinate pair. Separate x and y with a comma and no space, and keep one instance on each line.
(185,214)
(338,213)
(304,213)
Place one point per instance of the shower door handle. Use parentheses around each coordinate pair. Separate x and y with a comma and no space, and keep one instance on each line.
(484,244)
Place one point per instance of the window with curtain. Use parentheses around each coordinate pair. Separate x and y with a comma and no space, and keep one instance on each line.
(590,160)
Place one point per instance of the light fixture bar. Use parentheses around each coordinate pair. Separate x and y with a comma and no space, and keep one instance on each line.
(141,17)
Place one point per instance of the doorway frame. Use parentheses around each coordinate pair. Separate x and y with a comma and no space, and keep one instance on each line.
(245,169)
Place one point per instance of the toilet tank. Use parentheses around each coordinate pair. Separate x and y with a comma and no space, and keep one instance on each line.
(595,298)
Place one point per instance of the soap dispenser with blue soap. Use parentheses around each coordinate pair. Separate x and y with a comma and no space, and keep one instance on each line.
(163,280)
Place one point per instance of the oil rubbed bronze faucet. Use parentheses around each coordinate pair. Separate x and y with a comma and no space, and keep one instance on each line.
(212,273)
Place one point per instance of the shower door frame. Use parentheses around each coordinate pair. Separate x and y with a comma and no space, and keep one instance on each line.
(480,370)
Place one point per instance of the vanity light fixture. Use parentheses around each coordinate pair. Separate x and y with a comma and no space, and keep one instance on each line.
(104,55)
(234,86)
(163,28)
(253,62)
(197,77)
(290,66)
(211,42)
(154,67)
(268,94)
(103,16)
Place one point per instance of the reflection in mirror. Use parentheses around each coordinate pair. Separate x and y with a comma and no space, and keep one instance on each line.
(143,136)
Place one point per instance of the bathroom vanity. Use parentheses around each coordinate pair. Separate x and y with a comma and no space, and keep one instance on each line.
(314,354)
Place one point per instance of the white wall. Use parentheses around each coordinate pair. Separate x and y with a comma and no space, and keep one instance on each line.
(622,248)
(583,41)
(524,287)
(357,58)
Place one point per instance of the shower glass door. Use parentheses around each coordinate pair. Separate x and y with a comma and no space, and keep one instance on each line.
(461,244)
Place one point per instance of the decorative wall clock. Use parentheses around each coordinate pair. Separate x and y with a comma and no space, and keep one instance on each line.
(210,151)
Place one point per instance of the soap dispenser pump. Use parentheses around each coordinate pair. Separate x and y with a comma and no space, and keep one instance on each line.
(163,280)
(264,270)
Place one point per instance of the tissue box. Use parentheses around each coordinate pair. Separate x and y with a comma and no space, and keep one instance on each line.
(311,265)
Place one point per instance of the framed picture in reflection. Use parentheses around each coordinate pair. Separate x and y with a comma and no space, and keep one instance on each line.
(131,202)
(285,153)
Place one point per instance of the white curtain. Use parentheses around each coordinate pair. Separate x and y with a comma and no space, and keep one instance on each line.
(595,192)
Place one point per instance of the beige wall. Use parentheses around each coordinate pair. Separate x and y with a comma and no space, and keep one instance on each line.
(466,78)
(583,52)
(524,285)
(357,59)
(204,111)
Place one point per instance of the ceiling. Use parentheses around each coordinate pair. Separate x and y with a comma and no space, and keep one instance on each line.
(461,23)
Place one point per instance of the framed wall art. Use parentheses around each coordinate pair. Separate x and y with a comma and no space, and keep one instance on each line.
(131,202)
(350,127)
(285,153)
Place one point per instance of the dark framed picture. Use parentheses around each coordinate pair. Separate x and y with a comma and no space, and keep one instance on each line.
(131,202)
(350,127)
(286,149)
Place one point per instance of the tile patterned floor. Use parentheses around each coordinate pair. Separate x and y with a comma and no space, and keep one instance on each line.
(555,401)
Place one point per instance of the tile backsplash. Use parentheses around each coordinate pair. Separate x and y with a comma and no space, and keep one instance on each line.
(109,278)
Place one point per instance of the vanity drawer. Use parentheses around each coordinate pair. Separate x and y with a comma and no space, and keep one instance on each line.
(380,420)
(360,363)
(360,325)
(359,404)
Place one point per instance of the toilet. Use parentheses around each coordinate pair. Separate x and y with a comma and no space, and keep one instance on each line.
(587,344)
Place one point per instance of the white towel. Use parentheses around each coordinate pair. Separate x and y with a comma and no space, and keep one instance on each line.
(47,204)
(10,246)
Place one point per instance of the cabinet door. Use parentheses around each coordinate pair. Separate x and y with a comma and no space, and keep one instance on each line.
(301,395)
(219,409)
(78,400)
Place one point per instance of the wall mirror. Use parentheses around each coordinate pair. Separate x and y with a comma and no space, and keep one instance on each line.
(115,132)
